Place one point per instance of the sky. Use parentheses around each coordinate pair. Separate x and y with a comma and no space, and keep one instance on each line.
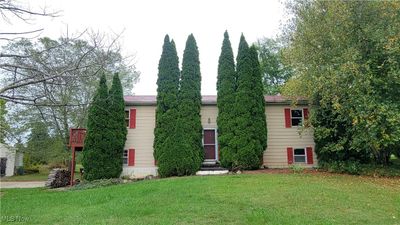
(145,23)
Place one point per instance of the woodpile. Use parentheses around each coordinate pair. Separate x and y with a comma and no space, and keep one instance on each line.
(58,178)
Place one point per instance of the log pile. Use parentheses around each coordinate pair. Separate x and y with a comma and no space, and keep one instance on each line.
(58,178)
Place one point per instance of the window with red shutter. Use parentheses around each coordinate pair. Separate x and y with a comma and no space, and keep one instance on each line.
(290,155)
(132,118)
(131,157)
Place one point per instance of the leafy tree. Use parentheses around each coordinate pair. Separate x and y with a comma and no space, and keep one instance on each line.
(4,127)
(246,144)
(117,125)
(274,70)
(98,146)
(39,143)
(346,58)
(57,78)
(167,102)
(226,88)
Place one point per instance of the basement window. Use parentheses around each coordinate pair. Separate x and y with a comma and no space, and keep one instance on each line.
(297,117)
(299,155)
(125,158)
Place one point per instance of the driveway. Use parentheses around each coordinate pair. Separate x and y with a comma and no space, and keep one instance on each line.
(21,184)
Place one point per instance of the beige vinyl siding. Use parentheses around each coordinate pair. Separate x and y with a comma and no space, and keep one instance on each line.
(280,137)
(141,138)
(209,116)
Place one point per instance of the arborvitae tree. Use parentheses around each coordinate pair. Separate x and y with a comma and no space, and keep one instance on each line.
(98,142)
(246,144)
(258,104)
(166,111)
(226,88)
(117,126)
(189,128)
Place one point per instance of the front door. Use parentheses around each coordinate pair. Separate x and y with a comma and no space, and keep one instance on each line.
(209,142)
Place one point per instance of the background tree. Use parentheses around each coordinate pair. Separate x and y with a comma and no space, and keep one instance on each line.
(63,101)
(166,111)
(346,54)
(4,127)
(98,144)
(117,124)
(226,89)
(38,143)
(274,70)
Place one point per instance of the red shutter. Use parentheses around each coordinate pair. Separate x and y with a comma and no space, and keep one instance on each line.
(131,157)
(305,112)
(290,155)
(155,162)
(132,118)
(288,123)
(310,159)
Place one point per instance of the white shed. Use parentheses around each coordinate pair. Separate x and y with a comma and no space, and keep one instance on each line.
(9,160)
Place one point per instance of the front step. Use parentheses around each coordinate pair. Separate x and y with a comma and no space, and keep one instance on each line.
(211,168)
(211,172)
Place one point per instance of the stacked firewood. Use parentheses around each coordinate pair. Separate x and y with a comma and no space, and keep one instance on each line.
(58,178)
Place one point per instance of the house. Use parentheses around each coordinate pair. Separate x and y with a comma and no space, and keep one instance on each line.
(288,142)
(9,160)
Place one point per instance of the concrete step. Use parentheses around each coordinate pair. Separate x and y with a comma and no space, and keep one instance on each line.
(209,172)
(215,168)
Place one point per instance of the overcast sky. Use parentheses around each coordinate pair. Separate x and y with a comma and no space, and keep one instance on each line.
(146,23)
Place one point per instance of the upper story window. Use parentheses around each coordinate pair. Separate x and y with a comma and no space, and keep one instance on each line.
(296,117)
(127,118)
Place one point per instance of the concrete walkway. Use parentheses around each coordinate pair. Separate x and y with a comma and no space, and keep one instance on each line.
(21,184)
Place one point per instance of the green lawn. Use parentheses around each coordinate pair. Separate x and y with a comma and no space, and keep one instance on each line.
(234,199)
(28,177)
(41,176)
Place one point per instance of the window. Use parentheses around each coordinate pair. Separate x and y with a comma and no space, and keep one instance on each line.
(125,158)
(296,117)
(127,118)
(299,155)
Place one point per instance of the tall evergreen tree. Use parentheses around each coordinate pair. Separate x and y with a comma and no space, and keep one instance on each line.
(258,105)
(189,123)
(246,145)
(98,142)
(167,102)
(117,125)
(226,88)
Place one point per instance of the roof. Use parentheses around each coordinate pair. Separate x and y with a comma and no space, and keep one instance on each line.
(210,100)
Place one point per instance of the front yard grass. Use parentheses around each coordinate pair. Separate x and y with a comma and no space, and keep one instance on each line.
(233,199)
(41,176)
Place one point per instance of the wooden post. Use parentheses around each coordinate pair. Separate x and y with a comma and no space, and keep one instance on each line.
(72,167)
